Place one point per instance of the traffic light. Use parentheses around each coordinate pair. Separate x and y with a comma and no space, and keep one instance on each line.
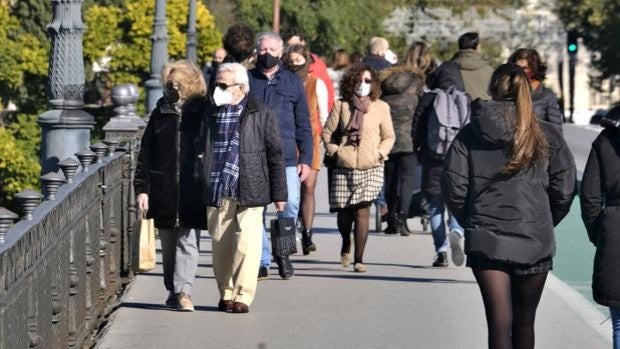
(571,42)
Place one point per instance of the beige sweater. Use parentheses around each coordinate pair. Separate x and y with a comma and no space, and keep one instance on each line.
(377,136)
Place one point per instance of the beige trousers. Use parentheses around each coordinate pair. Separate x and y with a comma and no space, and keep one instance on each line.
(237,237)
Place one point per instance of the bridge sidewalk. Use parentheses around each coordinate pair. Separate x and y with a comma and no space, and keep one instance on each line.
(400,302)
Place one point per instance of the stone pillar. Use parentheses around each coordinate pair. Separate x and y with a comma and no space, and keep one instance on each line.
(159,56)
(65,128)
(192,43)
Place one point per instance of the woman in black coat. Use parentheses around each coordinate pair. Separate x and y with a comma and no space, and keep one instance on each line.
(509,179)
(600,210)
(546,106)
(166,181)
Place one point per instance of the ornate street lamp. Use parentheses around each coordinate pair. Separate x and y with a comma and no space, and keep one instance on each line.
(159,56)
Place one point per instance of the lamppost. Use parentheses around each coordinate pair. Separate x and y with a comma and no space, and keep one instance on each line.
(159,56)
(192,42)
(65,127)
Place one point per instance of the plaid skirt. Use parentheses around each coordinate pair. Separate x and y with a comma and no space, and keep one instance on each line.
(350,188)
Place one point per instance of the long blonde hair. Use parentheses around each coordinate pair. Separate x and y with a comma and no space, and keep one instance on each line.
(419,58)
(529,144)
(188,76)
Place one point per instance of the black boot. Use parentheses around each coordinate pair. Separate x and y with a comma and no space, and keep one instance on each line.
(401,221)
(393,227)
(441,260)
(306,241)
(285,268)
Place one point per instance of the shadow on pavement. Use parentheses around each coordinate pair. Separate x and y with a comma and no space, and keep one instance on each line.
(359,276)
(313,261)
(161,275)
(150,306)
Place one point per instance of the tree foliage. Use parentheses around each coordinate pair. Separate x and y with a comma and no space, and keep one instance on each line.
(598,24)
(18,171)
(123,33)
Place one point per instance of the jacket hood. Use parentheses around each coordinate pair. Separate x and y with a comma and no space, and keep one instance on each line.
(397,80)
(469,59)
(493,121)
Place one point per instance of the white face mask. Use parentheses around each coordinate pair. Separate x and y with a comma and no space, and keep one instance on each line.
(390,57)
(222,97)
(363,89)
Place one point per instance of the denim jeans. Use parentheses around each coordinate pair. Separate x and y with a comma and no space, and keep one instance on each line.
(293,186)
(615,324)
(436,209)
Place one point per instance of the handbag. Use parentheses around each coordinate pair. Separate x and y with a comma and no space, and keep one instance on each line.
(145,256)
(283,237)
(330,160)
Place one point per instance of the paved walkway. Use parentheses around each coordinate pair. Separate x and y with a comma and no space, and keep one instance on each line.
(400,302)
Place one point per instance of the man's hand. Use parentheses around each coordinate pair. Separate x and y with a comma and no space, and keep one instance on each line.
(280,205)
(303,171)
(142,201)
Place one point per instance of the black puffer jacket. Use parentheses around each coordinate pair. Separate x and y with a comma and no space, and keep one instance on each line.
(506,217)
(262,176)
(547,108)
(600,209)
(157,166)
(401,89)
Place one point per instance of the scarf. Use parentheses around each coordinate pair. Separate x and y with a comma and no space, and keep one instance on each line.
(356,123)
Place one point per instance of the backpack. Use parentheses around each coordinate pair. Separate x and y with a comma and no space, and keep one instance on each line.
(449,114)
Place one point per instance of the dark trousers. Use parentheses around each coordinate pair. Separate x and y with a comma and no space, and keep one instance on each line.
(400,181)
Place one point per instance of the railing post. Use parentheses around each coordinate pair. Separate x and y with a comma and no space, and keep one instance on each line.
(7,218)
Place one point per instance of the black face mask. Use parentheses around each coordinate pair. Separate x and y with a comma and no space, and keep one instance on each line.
(267,61)
(171,93)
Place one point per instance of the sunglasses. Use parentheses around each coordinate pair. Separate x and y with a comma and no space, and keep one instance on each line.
(368,81)
(224,85)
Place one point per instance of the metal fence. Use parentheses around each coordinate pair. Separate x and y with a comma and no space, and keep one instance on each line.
(63,265)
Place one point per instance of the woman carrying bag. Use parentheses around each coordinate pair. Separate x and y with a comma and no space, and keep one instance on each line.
(365,139)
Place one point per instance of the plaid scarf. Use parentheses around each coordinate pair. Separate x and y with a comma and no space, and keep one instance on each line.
(224,176)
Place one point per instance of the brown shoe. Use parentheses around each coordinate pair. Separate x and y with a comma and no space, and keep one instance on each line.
(185,302)
(240,308)
(224,305)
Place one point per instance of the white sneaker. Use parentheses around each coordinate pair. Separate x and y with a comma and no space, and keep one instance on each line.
(456,245)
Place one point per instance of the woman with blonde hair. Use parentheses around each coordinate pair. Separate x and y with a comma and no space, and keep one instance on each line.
(419,59)
(509,179)
(165,182)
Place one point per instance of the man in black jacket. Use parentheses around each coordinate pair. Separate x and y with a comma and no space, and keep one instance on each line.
(243,170)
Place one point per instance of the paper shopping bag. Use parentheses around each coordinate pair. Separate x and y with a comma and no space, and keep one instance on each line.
(146,256)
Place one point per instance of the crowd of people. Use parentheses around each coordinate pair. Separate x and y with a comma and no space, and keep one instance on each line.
(484,146)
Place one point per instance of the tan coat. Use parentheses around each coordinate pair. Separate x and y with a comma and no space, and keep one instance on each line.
(377,136)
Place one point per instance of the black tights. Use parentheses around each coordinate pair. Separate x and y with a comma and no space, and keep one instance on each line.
(361,217)
(510,303)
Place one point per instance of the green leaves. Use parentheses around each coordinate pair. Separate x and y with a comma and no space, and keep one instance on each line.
(18,170)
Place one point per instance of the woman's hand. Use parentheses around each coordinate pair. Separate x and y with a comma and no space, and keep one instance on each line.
(142,201)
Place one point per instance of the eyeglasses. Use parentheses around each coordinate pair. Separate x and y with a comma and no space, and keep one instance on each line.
(368,81)
(224,85)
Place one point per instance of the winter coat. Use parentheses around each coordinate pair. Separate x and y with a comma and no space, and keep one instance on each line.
(401,91)
(546,107)
(600,210)
(285,94)
(377,136)
(262,175)
(476,73)
(172,202)
(318,69)
(376,63)
(507,218)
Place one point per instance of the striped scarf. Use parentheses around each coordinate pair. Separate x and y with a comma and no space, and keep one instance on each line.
(224,176)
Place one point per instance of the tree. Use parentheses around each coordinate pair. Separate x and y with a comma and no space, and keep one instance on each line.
(598,24)
(18,171)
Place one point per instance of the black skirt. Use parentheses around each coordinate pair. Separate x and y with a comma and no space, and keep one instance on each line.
(482,263)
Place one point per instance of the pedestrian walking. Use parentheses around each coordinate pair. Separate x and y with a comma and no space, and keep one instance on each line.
(546,106)
(426,142)
(240,140)
(475,70)
(340,61)
(600,210)
(378,52)
(283,92)
(359,135)
(297,59)
(509,179)
(316,67)
(164,180)
(401,87)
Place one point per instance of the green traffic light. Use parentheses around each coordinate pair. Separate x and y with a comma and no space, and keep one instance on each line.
(572,48)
